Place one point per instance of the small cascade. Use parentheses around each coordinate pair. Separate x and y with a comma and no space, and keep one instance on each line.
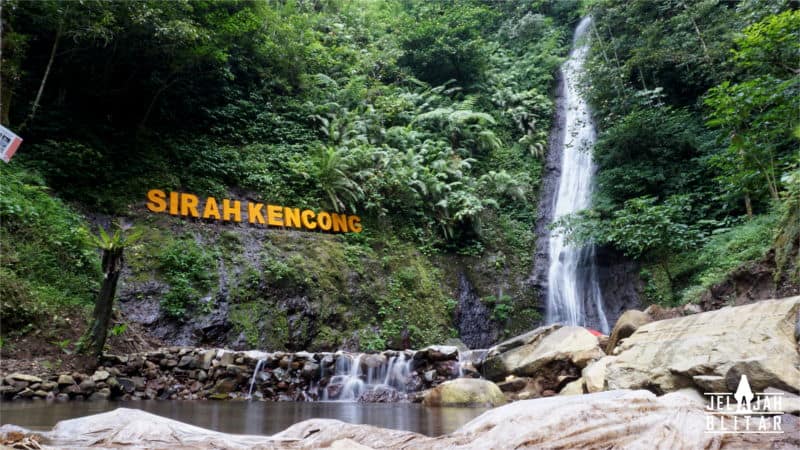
(259,365)
(349,382)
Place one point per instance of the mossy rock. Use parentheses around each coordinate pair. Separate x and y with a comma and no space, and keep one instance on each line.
(465,392)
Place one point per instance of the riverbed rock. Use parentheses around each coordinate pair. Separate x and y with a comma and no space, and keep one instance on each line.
(65,380)
(756,340)
(594,375)
(627,323)
(551,349)
(437,353)
(576,387)
(26,378)
(100,375)
(465,392)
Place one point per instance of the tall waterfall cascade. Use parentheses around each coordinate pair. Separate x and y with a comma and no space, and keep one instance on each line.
(572,276)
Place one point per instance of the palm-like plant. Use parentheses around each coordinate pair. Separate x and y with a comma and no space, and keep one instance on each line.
(335,175)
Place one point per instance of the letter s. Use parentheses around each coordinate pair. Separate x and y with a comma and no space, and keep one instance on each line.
(156,200)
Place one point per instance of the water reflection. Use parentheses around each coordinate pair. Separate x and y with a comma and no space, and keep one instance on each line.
(251,417)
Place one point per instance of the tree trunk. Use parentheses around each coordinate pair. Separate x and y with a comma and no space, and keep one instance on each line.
(748,205)
(95,339)
(46,75)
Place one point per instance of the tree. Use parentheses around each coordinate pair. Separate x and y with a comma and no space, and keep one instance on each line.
(758,113)
(113,247)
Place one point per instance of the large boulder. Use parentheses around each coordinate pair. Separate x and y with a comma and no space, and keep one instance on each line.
(560,351)
(465,392)
(627,323)
(712,350)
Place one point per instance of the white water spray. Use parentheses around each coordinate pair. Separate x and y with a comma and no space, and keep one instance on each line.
(572,276)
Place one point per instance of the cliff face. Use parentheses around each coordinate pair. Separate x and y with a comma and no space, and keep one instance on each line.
(195,283)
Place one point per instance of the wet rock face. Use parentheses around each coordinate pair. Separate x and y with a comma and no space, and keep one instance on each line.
(619,284)
(473,319)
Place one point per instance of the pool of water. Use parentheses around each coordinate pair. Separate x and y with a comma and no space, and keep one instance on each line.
(263,418)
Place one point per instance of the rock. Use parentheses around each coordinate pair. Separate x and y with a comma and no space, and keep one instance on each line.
(465,392)
(62,397)
(710,383)
(617,419)
(552,348)
(437,353)
(225,386)
(65,380)
(528,338)
(127,385)
(139,383)
(627,323)
(102,394)
(100,375)
(48,385)
(208,357)
(380,394)
(8,390)
(594,375)
(26,378)
(310,370)
(513,384)
(756,340)
(188,362)
(41,393)
(574,388)
(372,361)
(790,403)
(87,386)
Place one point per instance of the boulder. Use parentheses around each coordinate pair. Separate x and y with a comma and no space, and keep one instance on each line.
(465,392)
(594,375)
(576,387)
(627,323)
(552,349)
(756,340)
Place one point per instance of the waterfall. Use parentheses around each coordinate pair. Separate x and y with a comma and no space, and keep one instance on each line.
(351,382)
(259,364)
(572,276)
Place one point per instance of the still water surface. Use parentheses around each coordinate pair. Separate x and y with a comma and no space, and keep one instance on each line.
(249,417)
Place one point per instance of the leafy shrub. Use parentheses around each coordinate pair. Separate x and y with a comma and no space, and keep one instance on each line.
(188,270)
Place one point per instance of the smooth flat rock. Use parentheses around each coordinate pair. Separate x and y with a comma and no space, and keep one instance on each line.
(757,340)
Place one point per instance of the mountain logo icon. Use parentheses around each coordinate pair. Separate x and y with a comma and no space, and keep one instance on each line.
(744,395)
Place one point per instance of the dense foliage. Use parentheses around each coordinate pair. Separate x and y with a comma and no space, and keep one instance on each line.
(429,119)
(697,103)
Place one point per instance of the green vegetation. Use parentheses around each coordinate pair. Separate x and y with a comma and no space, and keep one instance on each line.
(188,269)
(697,102)
(427,119)
(48,263)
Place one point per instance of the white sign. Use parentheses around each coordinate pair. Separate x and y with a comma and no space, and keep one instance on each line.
(744,412)
(9,142)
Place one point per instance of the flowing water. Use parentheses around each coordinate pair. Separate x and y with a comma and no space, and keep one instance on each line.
(572,275)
